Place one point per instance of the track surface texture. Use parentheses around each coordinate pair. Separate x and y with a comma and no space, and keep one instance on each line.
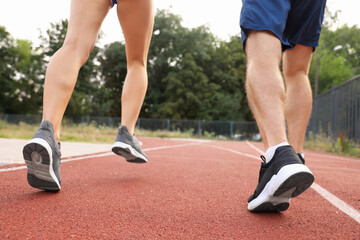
(188,190)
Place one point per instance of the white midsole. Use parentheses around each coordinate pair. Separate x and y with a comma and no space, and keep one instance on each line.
(43,143)
(275,182)
(130,148)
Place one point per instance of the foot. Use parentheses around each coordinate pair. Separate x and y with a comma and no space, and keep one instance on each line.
(128,146)
(42,156)
(285,176)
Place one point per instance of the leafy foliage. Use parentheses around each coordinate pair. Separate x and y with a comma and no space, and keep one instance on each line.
(338,53)
(192,74)
(20,66)
(113,69)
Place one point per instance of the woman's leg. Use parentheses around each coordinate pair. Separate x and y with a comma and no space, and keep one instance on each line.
(86,18)
(136,18)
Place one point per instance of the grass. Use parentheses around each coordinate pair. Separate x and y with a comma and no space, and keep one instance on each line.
(104,134)
(21,130)
(83,132)
(340,145)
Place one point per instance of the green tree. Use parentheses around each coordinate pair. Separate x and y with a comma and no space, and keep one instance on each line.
(113,72)
(29,77)
(338,53)
(20,68)
(345,41)
(332,69)
(226,68)
(188,92)
(7,70)
(219,64)
(164,53)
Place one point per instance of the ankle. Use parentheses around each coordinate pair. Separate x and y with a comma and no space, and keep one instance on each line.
(57,137)
(129,128)
(271,150)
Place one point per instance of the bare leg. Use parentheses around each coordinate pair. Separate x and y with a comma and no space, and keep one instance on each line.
(136,18)
(296,63)
(84,24)
(265,87)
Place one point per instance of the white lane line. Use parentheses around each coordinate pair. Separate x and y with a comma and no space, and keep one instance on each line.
(253,147)
(12,169)
(337,202)
(189,139)
(236,152)
(309,153)
(145,150)
(87,157)
(103,155)
(333,157)
(173,146)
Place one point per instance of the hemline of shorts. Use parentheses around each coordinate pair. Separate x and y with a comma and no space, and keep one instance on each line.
(284,45)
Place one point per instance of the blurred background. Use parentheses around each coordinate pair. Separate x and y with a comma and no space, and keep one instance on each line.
(196,72)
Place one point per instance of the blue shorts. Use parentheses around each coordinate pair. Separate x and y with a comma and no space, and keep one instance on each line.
(292,21)
(113,2)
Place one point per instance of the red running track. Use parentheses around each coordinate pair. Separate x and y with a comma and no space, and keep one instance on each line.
(188,190)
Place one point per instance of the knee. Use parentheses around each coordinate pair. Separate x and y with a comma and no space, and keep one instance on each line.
(261,64)
(136,60)
(295,77)
(292,70)
(263,61)
(80,49)
(259,69)
(264,77)
(296,69)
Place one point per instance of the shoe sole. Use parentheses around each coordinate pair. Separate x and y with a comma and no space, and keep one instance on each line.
(39,161)
(291,181)
(128,152)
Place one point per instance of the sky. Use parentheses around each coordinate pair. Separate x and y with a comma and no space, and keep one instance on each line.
(24,18)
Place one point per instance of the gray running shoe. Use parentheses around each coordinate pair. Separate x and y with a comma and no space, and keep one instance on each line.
(128,147)
(42,156)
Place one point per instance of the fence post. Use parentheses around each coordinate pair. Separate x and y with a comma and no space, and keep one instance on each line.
(333,110)
(314,119)
(199,128)
(168,125)
(231,129)
(110,121)
(138,123)
(357,112)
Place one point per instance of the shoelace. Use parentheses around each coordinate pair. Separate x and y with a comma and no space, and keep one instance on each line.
(262,167)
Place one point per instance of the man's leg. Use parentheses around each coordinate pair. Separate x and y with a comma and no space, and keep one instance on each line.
(283,175)
(298,99)
(264,86)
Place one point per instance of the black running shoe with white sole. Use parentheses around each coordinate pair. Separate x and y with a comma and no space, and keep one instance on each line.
(128,147)
(285,176)
(301,158)
(42,156)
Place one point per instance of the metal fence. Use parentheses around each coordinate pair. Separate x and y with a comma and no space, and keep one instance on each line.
(337,112)
(227,129)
